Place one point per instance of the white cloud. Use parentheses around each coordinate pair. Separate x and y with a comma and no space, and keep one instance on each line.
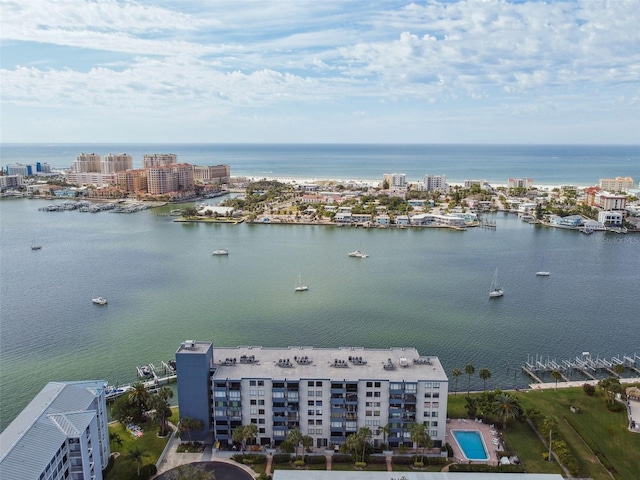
(237,56)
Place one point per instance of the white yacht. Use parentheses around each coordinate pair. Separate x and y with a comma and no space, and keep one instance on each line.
(99,300)
(358,254)
(221,251)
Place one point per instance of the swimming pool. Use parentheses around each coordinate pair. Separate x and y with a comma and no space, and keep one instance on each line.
(471,444)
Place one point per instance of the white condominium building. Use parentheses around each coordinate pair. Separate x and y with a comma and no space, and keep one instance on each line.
(520,183)
(618,184)
(112,163)
(158,159)
(61,435)
(325,393)
(435,182)
(86,162)
(395,180)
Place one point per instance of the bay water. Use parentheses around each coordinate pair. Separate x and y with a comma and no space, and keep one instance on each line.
(423,288)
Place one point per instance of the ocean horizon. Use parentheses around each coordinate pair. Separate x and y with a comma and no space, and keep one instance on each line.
(581,165)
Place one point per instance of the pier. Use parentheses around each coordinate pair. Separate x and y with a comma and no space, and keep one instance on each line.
(152,378)
(537,366)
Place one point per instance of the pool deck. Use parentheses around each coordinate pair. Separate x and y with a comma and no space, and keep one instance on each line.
(484,429)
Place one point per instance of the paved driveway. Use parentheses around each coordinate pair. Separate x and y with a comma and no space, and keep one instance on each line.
(224,471)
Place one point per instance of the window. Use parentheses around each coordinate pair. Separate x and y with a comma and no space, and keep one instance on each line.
(427,404)
(396,386)
(261,383)
(319,421)
(310,383)
(261,393)
(369,394)
(428,385)
(278,394)
(318,403)
(261,411)
(253,392)
(318,411)
(369,384)
(311,393)
(434,413)
(434,424)
(252,383)
(436,384)
(436,404)
(260,402)
(311,422)
(311,412)
(336,424)
(253,411)
(310,403)
(319,384)
(411,388)
(254,402)
(261,421)
(318,393)
(311,431)
(376,394)
(368,423)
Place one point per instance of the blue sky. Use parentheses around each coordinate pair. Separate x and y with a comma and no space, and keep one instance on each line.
(298,71)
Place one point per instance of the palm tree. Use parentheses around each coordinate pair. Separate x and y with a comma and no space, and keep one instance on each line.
(294,437)
(469,369)
(250,432)
(364,435)
(138,397)
(187,424)
(550,422)
(506,407)
(136,454)
(456,373)
(556,376)
(420,437)
(484,374)
(384,430)
(160,403)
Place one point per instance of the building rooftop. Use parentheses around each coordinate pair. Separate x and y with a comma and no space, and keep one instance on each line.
(348,363)
(59,411)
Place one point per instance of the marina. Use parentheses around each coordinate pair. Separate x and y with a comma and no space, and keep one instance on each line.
(151,378)
(590,368)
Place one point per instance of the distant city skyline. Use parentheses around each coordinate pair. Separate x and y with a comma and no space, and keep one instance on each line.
(494,72)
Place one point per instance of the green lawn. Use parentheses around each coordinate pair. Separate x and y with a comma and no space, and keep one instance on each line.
(595,436)
(150,443)
(593,430)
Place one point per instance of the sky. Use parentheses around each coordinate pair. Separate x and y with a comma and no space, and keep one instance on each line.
(320,71)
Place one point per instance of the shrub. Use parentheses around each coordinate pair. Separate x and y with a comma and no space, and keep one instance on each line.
(615,407)
(361,465)
(281,458)
(299,463)
(377,459)
(418,464)
(399,460)
(147,470)
(315,459)
(342,458)
(589,389)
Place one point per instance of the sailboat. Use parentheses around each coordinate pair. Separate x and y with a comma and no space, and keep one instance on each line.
(300,287)
(495,290)
(543,272)
(35,246)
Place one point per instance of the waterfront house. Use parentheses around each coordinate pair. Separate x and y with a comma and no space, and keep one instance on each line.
(610,219)
(383,220)
(570,221)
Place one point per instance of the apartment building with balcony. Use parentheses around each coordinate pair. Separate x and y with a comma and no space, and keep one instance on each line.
(159,159)
(86,163)
(327,394)
(618,184)
(132,180)
(396,181)
(116,162)
(169,178)
(520,183)
(434,183)
(61,434)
